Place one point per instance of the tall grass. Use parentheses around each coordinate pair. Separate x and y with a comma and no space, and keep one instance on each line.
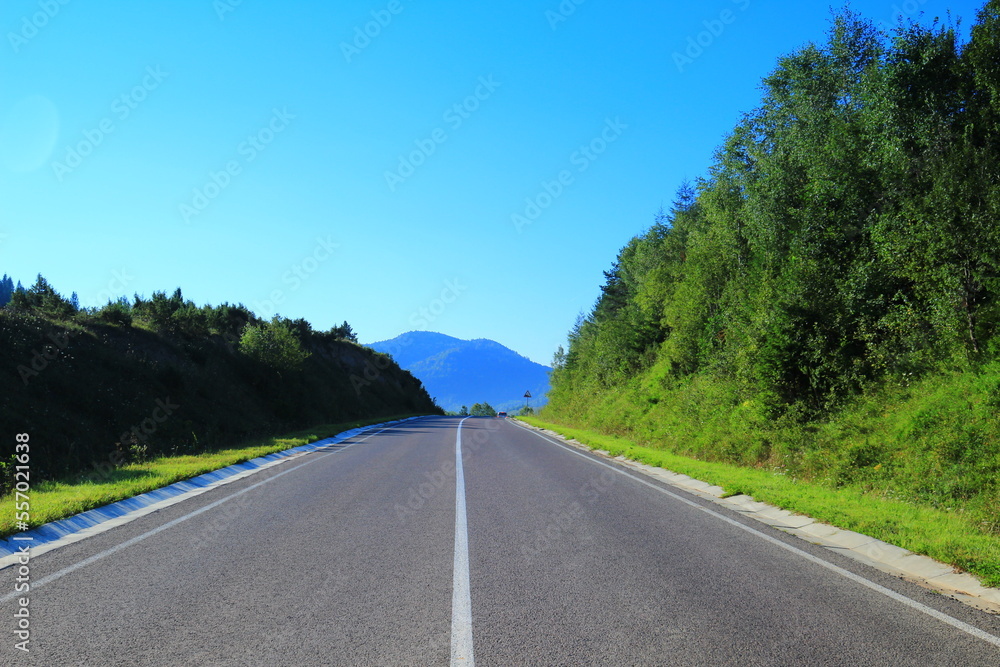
(914,462)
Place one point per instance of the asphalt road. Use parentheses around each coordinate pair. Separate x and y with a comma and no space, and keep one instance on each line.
(350,558)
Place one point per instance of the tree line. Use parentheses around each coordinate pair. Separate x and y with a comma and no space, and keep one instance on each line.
(87,383)
(173,315)
(848,231)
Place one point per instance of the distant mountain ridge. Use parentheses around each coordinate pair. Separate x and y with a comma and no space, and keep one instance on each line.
(460,372)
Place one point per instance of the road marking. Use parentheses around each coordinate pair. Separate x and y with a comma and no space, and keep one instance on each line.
(174,496)
(888,592)
(461,594)
(170,524)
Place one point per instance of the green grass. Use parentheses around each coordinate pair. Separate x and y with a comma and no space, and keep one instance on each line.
(949,536)
(58,499)
(126,394)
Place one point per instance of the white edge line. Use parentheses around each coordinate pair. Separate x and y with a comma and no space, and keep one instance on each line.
(461,595)
(170,524)
(113,522)
(930,611)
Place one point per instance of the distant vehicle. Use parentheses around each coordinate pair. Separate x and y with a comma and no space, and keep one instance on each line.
(501,415)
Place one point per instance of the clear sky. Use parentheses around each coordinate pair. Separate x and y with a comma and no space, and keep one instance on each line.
(366,160)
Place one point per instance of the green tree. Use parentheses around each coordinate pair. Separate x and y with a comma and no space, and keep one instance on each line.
(846,232)
(228,320)
(482,410)
(116,312)
(273,344)
(938,234)
(6,290)
(42,299)
(344,332)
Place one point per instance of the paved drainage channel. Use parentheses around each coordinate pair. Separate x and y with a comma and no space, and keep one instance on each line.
(883,556)
(81,526)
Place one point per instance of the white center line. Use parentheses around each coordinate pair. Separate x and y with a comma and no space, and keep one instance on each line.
(461,596)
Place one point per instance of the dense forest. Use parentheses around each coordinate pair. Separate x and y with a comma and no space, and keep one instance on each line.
(160,376)
(826,300)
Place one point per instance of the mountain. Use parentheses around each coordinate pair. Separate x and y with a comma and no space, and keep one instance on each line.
(462,372)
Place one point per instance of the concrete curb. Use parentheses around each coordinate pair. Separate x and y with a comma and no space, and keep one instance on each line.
(81,526)
(888,558)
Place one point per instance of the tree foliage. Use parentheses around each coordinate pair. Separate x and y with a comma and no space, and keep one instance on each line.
(847,231)
(43,299)
(173,316)
(98,387)
(6,290)
(482,410)
(273,344)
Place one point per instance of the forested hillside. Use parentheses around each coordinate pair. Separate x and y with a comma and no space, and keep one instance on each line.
(162,376)
(825,300)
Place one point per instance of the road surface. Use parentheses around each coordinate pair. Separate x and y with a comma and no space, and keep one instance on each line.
(386,551)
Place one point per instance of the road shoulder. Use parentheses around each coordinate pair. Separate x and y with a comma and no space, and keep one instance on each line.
(888,558)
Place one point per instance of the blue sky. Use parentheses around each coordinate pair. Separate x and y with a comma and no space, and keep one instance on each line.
(468,168)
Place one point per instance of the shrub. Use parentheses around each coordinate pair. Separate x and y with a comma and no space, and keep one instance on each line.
(117,313)
(273,344)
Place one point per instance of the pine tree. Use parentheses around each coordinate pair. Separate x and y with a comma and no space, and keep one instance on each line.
(6,290)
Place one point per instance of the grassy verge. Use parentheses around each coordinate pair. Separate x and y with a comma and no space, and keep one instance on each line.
(58,499)
(947,536)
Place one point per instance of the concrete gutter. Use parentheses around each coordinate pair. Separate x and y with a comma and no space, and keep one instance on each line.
(81,526)
(921,570)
